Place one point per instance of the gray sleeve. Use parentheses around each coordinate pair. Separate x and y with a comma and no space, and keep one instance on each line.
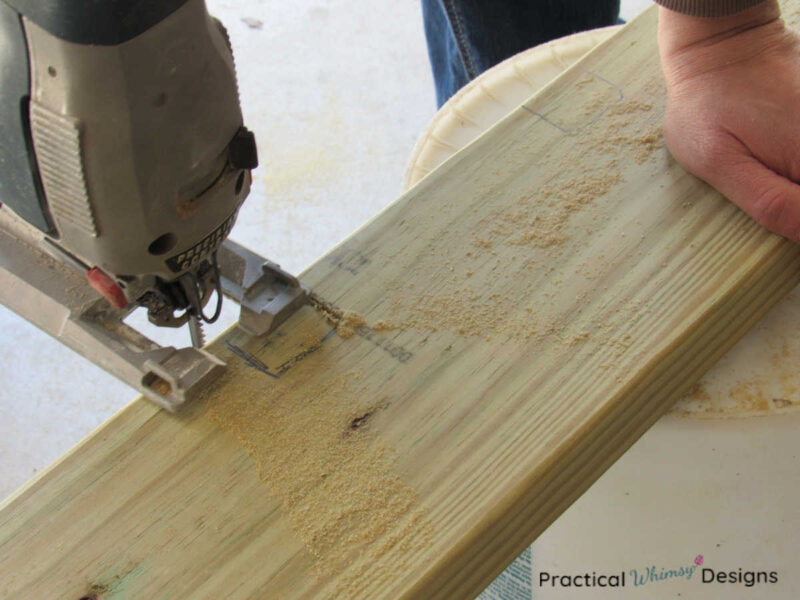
(708,8)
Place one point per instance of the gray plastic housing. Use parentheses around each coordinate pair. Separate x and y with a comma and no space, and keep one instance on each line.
(103,22)
(20,187)
(132,143)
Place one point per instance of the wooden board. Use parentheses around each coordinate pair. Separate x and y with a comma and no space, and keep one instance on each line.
(534,306)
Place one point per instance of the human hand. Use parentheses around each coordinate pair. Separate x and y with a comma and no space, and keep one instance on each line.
(733,110)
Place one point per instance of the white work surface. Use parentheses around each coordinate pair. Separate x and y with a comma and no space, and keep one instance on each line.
(337,93)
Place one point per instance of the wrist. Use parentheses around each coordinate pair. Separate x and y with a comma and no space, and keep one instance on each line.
(677,31)
(694,46)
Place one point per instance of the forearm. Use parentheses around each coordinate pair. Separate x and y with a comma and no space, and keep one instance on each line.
(708,8)
(732,85)
(692,46)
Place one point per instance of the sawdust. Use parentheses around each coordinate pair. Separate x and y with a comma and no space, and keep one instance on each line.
(466,313)
(311,341)
(477,294)
(541,219)
(627,134)
(746,399)
(629,107)
(749,397)
(312,442)
(594,105)
(757,377)
(161,387)
(345,321)
(348,323)
(647,142)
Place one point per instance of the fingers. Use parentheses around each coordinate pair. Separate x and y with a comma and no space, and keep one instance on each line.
(769,198)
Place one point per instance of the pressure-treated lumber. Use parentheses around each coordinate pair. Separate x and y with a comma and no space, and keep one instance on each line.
(535,305)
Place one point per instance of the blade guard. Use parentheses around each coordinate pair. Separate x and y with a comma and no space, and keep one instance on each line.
(268,295)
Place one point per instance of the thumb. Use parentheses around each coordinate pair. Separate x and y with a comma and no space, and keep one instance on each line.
(766,196)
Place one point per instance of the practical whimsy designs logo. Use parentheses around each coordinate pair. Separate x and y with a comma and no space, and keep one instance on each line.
(654,573)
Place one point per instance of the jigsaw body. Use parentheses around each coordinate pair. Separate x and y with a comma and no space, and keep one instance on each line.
(123,164)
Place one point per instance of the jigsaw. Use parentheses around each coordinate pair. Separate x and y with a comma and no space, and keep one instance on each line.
(124,161)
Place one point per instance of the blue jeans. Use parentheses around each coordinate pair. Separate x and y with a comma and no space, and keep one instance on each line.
(466,37)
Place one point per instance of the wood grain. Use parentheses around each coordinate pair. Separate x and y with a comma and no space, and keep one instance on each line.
(554,288)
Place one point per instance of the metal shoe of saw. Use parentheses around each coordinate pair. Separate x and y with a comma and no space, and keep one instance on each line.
(123,163)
